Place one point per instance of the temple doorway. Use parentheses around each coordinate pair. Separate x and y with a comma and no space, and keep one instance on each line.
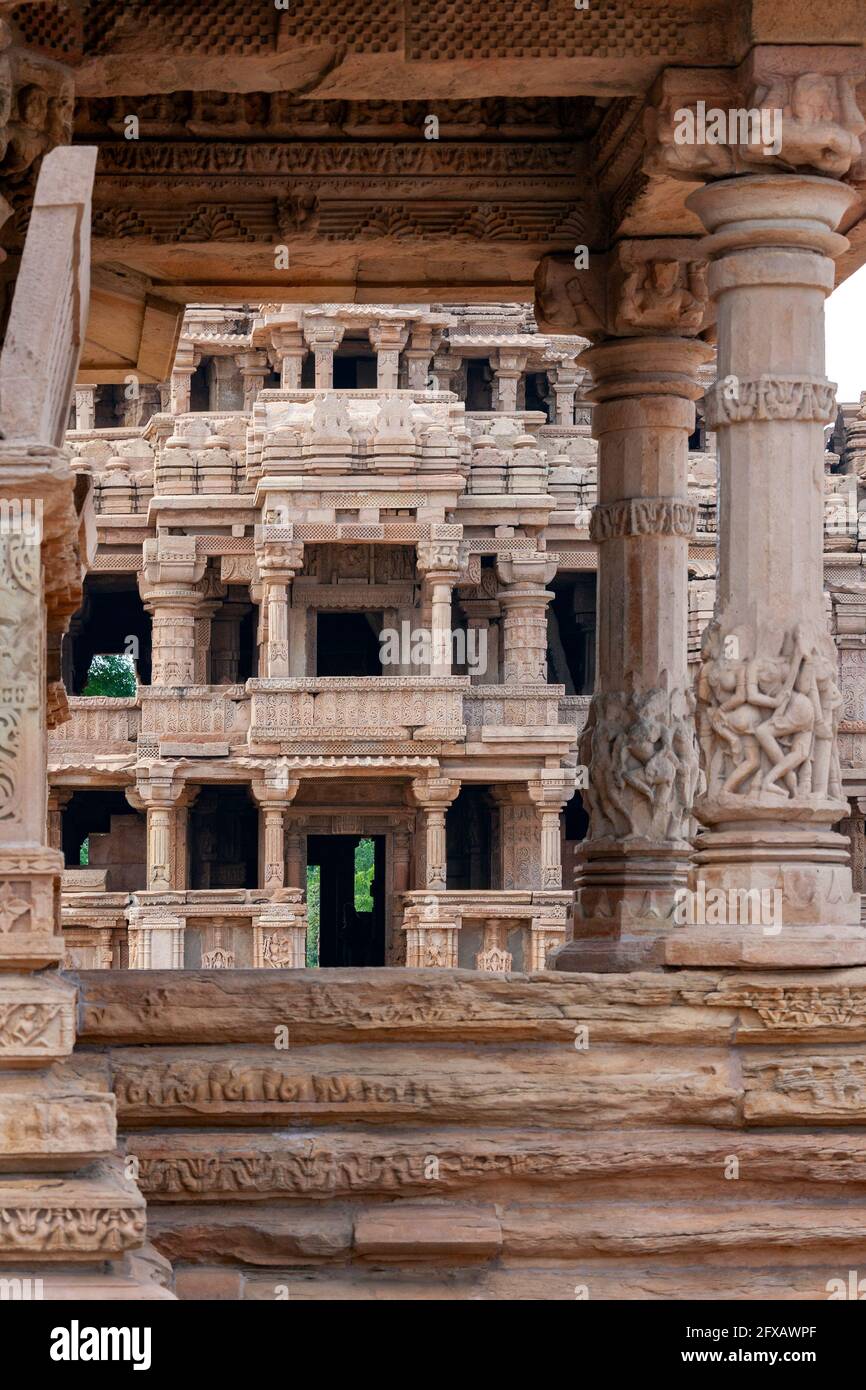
(346,891)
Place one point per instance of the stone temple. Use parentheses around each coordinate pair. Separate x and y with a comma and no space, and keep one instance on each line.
(433,651)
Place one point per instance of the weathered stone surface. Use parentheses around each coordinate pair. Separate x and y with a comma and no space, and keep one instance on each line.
(214,1167)
(548,1084)
(402,1230)
(53,1122)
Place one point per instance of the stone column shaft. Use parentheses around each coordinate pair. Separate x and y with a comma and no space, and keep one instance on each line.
(85,407)
(639,742)
(524,601)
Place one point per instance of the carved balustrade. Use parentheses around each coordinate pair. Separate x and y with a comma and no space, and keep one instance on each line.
(96,722)
(356,712)
(507,714)
(218,929)
(207,714)
(484,929)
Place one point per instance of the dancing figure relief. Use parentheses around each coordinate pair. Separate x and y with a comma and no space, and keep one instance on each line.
(767,724)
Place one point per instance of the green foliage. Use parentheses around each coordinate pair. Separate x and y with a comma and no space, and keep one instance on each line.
(314,878)
(84,853)
(111,675)
(365,868)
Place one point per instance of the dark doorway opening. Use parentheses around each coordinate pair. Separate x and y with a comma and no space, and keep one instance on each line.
(468,839)
(222,839)
(110,622)
(347,644)
(355,373)
(100,830)
(479,384)
(351,898)
(571,633)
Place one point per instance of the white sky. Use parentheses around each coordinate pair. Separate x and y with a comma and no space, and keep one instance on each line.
(846,327)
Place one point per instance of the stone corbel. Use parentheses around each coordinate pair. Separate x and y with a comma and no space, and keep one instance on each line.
(640,289)
(796,109)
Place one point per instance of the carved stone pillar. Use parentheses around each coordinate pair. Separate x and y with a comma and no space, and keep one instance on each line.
(186,360)
(226,642)
(324,339)
(524,601)
(296,869)
(85,407)
(274,795)
(434,795)
(550,795)
(58,799)
(254,368)
(279,559)
(70,1214)
(424,340)
(563,380)
(388,339)
(440,563)
(158,795)
(768,700)
(639,742)
(446,365)
(170,586)
(508,369)
(289,352)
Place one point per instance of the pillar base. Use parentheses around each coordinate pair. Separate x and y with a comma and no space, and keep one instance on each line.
(625,906)
(612,955)
(796,947)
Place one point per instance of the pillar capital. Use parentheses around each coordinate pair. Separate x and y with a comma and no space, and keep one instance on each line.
(434,793)
(171,565)
(641,288)
(275,792)
(444,560)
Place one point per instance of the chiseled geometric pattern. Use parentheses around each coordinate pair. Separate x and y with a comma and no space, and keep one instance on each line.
(363,28)
(48,28)
(231,26)
(454,29)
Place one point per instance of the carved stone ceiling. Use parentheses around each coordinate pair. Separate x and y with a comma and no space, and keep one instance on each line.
(308,129)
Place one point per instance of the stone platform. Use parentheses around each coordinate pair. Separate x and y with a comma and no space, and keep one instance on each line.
(455,1134)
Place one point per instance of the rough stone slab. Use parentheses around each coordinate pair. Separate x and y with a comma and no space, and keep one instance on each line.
(88,1286)
(221,1167)
(543,1083)
(237,1006)
(402,1230)
(563,1283)
(256,1234)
